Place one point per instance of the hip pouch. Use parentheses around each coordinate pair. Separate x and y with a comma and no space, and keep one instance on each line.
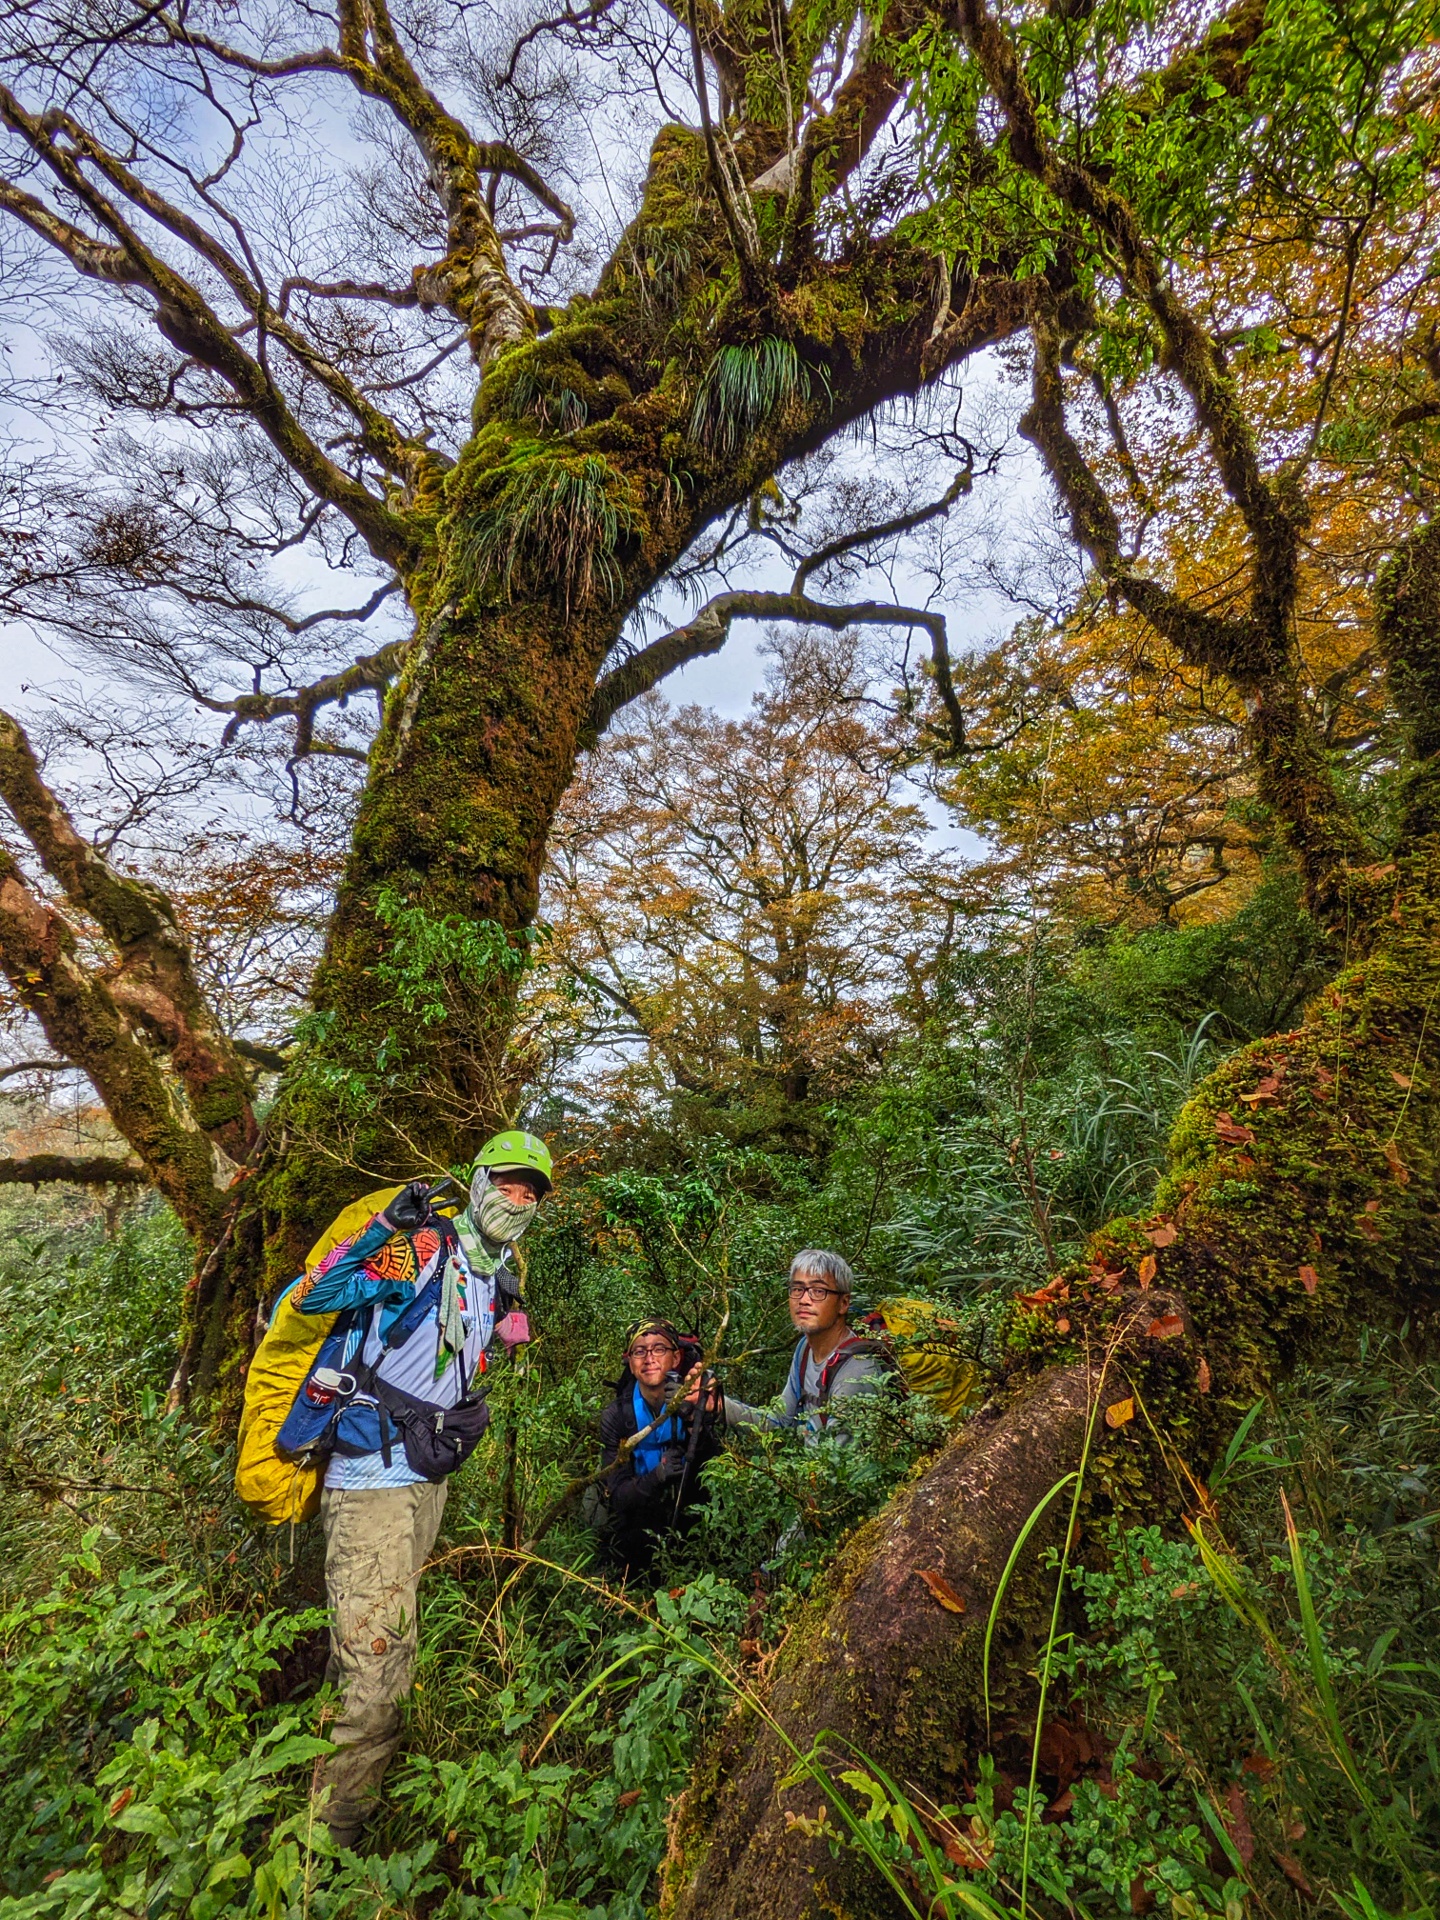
(437,1440)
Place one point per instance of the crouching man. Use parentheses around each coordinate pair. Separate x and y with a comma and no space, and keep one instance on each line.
(831,1363)
(425,1295)
(649,1491)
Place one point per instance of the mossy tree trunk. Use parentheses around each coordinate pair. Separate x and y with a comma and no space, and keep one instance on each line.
(1299,1204)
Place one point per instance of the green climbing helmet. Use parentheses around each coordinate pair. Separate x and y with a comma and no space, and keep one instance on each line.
(517,1149)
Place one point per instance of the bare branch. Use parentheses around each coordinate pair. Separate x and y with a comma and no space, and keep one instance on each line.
(883,530)
(189,323)
(710,628)
(371,673)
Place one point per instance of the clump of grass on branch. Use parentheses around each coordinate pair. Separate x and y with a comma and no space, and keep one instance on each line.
(742,388)
(556,522)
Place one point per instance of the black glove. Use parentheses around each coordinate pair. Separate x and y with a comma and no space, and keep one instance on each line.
(671,1467)
(410,1208)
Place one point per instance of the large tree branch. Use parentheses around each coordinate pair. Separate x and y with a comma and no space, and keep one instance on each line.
(90,1170)
(373,672)
(472,281)
(710,628)
(82,1020)
(155,980)
(378,432)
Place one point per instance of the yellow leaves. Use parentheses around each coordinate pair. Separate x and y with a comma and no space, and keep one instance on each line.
(1147,1271)
(1120,1413)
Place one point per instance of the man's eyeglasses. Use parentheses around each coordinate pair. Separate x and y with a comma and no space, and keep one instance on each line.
(803,1290)
(650,1349)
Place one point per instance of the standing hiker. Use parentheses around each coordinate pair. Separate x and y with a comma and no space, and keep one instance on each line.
(831,1363)
(422,1294)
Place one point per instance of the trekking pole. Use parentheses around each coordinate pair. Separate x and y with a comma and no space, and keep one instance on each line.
(696,1420)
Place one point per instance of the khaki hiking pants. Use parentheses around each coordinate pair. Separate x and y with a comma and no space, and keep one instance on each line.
(376,1542)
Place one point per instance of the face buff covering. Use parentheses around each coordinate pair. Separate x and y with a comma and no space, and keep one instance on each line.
(499,1221)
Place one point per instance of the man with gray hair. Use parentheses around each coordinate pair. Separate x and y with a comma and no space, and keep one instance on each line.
(831,1363)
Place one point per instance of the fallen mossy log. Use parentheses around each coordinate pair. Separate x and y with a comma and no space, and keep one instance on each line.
(1300,1203)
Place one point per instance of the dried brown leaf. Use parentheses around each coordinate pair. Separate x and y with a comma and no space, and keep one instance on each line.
(1309,1279)
(942,1590)
(1165,1328)
(1147,1270)
(1237,1822)
(1295,1874)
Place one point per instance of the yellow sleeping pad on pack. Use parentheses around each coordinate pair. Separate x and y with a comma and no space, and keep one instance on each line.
(928,1363)
(276,1490)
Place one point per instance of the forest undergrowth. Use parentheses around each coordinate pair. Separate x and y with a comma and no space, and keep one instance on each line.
(1240,1716)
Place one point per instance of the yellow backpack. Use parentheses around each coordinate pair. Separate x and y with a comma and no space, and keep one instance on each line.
(926,1356)
(284,1491)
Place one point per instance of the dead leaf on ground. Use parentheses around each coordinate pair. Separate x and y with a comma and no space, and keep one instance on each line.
(1142,1900)
(1367,1226)
(961,1852)
(941,1588)
(1323,1074)
(1309,1279)
(1260,1764)
(1119,1412)
(1202,1379)
(1147,1270)
(1268,1089)
(1237,1822)
(629,1797)
(1164,1235)
(1401,1079)
(1396,1165)
(1059,1752)
(1165,1328)
(1062,1326)
(1295,1874)
(1232,1132)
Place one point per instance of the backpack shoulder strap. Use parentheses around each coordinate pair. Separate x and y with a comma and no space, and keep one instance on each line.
(849,1347)
(797,1370)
